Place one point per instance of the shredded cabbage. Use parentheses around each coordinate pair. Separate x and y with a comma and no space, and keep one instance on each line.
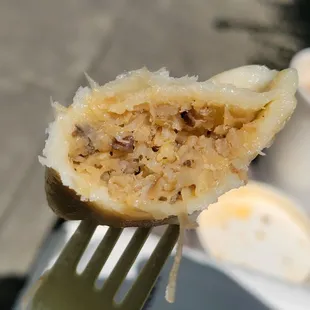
(185,223)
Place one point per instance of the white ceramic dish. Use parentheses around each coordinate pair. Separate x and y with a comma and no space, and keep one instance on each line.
(258,227)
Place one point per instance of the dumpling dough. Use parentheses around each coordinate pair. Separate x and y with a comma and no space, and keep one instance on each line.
(148,147)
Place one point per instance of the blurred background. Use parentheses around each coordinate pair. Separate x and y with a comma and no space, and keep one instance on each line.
(45,48)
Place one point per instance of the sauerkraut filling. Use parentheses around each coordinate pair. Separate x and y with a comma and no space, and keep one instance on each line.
(163,152)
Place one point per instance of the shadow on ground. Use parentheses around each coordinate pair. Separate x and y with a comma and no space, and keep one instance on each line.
(10,287)
(292,20)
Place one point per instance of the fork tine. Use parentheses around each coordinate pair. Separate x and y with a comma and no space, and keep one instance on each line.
(71,254)
(101,254)
(116,278)
(139,292)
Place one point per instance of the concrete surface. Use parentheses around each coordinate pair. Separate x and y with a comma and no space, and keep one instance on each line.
(45,46)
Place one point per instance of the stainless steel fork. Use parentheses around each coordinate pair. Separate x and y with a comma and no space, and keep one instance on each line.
(63,289)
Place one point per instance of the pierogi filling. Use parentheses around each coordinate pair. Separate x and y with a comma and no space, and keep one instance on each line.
(164,152)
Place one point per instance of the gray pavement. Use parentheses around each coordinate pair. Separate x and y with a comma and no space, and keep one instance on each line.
(45,46)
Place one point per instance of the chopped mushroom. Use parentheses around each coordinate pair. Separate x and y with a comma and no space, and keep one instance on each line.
(105,176)
(78,131)
(208,133)
(188,118)
(81,132)
(90,149)
(125,144)
(187,163)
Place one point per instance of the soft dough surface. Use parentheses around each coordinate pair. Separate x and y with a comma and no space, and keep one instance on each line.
(151,145)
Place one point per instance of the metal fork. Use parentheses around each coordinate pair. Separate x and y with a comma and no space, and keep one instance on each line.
(63,289)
